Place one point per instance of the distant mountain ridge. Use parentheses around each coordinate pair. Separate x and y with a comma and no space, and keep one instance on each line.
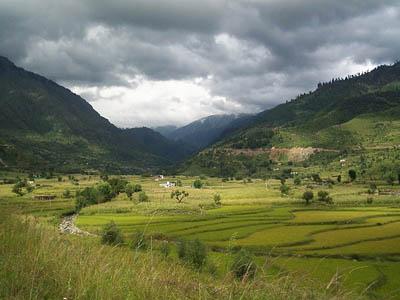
(44,125)
(205,131)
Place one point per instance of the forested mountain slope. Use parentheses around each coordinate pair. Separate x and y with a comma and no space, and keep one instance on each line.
(44,125)
(343,115)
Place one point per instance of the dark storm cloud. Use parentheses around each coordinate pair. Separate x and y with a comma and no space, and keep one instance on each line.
(259,53)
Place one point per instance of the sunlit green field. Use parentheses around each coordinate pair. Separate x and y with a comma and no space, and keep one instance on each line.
(350,242)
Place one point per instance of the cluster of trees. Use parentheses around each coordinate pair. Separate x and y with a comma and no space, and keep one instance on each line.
(21,185)
(255,138)
(105,191)
(222,163)
(323,196)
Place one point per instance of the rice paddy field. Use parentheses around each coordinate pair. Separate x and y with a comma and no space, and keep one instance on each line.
(350,242)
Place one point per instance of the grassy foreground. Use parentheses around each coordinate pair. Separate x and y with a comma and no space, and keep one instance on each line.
(36,262)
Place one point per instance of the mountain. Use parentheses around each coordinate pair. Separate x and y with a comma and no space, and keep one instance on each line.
(165,130)
(340,116)
(45,126)
(203,132)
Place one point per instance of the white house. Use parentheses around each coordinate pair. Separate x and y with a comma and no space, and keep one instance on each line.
(167,184)
(158,177)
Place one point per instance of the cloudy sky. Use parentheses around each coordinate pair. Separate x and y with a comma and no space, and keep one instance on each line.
(154,62)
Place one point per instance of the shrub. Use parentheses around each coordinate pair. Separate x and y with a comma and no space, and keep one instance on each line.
(243,265)
(197,184)
(181,248)
(339,178)
(372,188)
(307,196)
(196,253)
(67,194)
(111,234)
(217,199)
(370,200)
(193,252)
(143,197)
(29,189)
(352,174)
(297,181)
(165,249)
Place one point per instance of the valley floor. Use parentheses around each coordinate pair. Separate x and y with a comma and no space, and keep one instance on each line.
(349,249)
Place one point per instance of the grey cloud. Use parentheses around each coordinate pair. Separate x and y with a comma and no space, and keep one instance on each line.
(260,53)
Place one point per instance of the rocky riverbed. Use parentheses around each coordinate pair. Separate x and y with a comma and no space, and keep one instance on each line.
(67,225)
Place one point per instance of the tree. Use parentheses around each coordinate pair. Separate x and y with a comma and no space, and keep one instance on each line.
(324,197)
(390,179)
(217,199)
(308,196)
(316,177)
(137,188)
(117,185)
(129,190)
(243,265)
(284,190)
(143,197)
(352,174)
(179,195)
(111,234)
(105,191)
(197,184)
(87,196)
(17,189)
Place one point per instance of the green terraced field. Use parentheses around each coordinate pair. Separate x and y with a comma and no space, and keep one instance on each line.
(358,243)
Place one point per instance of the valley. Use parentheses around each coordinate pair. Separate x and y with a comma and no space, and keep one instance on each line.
(352,241)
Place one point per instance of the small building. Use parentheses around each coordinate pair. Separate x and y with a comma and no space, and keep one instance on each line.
(158,177)
(167,184)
